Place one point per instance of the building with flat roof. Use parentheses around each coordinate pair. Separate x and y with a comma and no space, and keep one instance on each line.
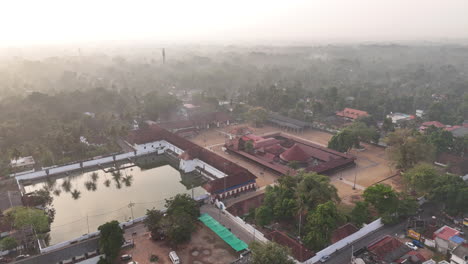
(22,163)
(460,254)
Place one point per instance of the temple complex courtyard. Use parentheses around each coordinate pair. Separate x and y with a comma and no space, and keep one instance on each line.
(372,164)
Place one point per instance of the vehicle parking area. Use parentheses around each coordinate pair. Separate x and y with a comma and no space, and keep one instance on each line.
(205,247)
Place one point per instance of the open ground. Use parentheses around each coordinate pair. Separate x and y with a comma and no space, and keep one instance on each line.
(372,164)
(205,247)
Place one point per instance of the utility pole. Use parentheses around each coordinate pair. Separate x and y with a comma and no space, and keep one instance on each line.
(354,186)
(130,205)
(87,222)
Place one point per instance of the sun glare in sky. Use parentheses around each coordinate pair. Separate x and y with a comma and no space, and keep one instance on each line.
(59,21)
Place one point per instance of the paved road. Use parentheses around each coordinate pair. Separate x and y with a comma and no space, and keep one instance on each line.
(62,254)
(344,255)
(237,230)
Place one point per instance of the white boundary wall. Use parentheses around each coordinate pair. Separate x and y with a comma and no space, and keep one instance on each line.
(258,235)
(143,149)
(346,241)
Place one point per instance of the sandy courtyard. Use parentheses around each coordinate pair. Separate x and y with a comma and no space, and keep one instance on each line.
(205,247)
(372,165)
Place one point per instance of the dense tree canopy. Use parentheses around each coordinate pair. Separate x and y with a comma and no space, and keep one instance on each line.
(22,217)
(110,240)
(360,213)
(407,148)
(321,223)
(295,195)
(421,177)
(269,253)
(257,115)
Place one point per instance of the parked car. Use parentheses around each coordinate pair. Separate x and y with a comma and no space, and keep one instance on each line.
(126,257)
(22,257)
(418,243)
(174,258)
(132,262)
(411,245)
(324,258)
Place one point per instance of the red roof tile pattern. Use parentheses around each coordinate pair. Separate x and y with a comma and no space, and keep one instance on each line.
(343,231)
(295,153)
(298,251)
(388,248)
(433,123)
(352,113)
(291,148)
(265,143)
(446,233)
(236,174)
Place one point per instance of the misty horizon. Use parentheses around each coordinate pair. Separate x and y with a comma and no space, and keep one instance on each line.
(53,22)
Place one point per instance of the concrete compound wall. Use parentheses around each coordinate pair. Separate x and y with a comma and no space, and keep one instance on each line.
(377,224)
(143,149)
(254,232)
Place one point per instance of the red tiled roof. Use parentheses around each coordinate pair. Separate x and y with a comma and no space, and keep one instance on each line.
(433,123)
(352,113)
(252,137)
(236,173)
(387,248)
(343,231)
(298,251)
(295,153)
(446,233)
(265,142)
(275,149)
(450,128)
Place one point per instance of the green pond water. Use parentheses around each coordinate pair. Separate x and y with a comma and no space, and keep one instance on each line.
(92,198)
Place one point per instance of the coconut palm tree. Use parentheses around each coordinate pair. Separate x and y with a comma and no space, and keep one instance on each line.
(76,194)
(66,185)
(94,176)
(57,192)
(107,183)
(128,180)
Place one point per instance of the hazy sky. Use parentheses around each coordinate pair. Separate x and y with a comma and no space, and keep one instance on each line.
(227,22)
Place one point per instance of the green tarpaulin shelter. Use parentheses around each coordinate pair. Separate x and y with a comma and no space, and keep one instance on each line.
(223,232)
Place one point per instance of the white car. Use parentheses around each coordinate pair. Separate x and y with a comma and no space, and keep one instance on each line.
(324,258)
(411,245)
(132,262)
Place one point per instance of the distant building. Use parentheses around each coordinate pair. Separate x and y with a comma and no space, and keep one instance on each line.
(351,114)
(420,113)
(460,131)
(287,122)
(90,114)
(22,163)
(398,118)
